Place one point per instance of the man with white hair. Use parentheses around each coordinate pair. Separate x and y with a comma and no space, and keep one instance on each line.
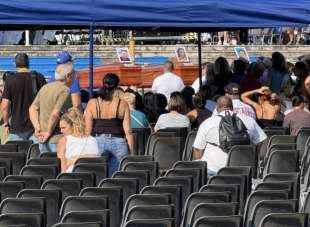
(51,101)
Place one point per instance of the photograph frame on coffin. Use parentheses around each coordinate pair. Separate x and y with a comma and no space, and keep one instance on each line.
(123,55)
(241,52)
(181,54)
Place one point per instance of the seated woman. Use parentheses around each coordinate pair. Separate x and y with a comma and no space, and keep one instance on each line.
(74,144)
(267,108)
(200,113)
(175,117)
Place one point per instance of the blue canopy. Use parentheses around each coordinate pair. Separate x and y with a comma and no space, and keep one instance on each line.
(178,14)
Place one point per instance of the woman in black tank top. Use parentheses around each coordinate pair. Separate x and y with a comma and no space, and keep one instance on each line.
(108,120)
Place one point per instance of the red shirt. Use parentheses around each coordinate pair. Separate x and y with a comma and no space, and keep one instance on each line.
(249,83)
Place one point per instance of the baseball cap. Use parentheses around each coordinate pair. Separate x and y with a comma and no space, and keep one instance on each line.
(232,89)
(63,57)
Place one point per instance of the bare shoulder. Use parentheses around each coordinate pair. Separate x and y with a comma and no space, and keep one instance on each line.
(62,141)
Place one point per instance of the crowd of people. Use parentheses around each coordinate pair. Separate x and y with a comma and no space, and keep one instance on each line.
(61,118)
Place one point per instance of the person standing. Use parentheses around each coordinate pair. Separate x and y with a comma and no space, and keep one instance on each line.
(168,82)
(51,101)
(19,92)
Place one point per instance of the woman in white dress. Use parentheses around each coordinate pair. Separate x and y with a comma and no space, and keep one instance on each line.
(74,144)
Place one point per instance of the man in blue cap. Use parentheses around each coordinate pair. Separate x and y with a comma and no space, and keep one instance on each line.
(64,57)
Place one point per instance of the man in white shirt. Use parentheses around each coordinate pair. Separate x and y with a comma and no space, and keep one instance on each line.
(208,134)
(168,82)
(195,84)
(232,91)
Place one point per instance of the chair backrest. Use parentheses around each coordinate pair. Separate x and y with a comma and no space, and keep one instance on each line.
(194,164)
(135,158)
(141,136)
(202,197)
(301,140)
(168,222)
(188,147)
(213,209)
(52,202)
(227,221)
(167,151)
(258,196)
(3,173)
(287,186)
(186,183)
(67,187)
(143,177)
(33,151)
(32,219)
(277,147)
(306,205)
(18,160)
(233,189)
(285,177)
(98,169)
(31,182)
(46,171)
(153,137)
(8,148)
(22,145)
(82,224)
(10,189)
(83,203)
(244,155)
(290,220)
(194,173)
(152,167)
(277,139)
(233,179)
(129,186)
(7,164)
(266,207)
(85,160)
(44,161)
(115,198)
(48,155)
(282,162)
(87,179)
(100,216)
(149,212)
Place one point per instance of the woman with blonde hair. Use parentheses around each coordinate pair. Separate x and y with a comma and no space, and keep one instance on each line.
(75,143)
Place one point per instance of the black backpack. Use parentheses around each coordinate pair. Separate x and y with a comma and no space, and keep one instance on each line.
(232,131)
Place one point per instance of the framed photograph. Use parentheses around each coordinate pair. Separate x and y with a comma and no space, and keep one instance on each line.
(123,55)
(242,53)
(181,54)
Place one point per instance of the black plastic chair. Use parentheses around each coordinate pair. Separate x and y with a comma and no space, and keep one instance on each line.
(52,202)
(98,169)
(266,207)
(287,186)
(33,151)
(134,158)
(151,167)
(86,160)
(115,198)
(140,136)
(67,187)
(194,173)
(202,197)
(194,164)
(8,148)
(279,147)
(23,205)
(188,148)
(18,160)
(290,220)
(31,182)
(233,189)
(213,209)
(100,216)
(244,155)
(143,177)
(7,164)
(10,189)
(32,219)
(301,140)
(170,222)
(282,162)
(22,145)
(149,212)
(258,196)
(83,203)
(82,224)
(44,161)
(87,179)
(3,173)
(186,183)
(129,186)
(46,171)
(280,139)
(48,155)
(227,221)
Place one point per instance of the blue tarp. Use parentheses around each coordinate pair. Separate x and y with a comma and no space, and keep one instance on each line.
(186,14)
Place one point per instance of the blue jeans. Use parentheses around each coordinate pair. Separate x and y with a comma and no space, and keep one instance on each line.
(115,147)
(45,147)
(20,135)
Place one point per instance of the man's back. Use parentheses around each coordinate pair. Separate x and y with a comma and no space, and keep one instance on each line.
(296,120)
(20,92)
(167,83)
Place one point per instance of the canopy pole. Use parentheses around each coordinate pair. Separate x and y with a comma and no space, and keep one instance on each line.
(199,59)
(91,61)
(27,38)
